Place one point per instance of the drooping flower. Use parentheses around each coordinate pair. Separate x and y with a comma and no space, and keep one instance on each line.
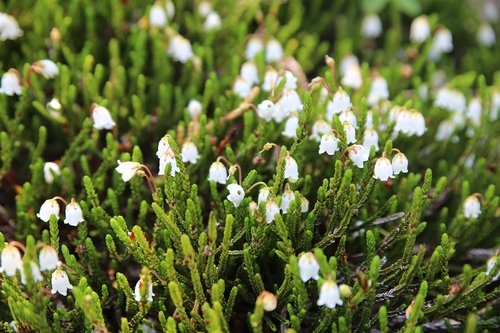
(348,61)
(271,79)
(450,99)
(319,128)
(180,49)
(378,91)
(420,29)
(291,80)
(242,87)
(352,77)
(49,207)
(168,157)
(189,153)
(383,169)
(271,210)
(269,301)
(341,102)
(472,207)
(48,258)
(399,163)
(486,35)
(157,15)
(289,102)
(212,22)
(60,282)
(204,8)
(49,170)
(101,117)
(371,26)
(442,43)
(35,273)
(291,168)
(329,295)
(236,194)
(328,144)
(265,110)
(74,214)
(308,266)
(137,291)
(217,173)
(11,260)
(287,197)
(9,28)
(254,46)
(348,116)
(291,125)
(350,132)
(194,108)
(11,83)
(304,204)
(274,50)
(370,139)
(263,194)
(54,107)
(410,122)
(250,72)
(474,111)
(46,67)
(127,169)
(358,155)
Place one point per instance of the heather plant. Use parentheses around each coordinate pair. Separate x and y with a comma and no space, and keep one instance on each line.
(249,166)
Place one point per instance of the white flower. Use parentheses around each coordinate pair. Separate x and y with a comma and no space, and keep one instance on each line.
(157,15)
(47,68)
(378,91)
(127,169)
(242,87)
(442,43)
(348,61)
(350,132)
(271,80)
(48,258)
(250,72)
(194,108)
(274,51)
(291,126)
(11,260)
(269,301)
(490,11)
(472,207)
(371,27)
(352,77)
(49,170)
(490,264)
(474,111)
(254,46)
(263,194)
(420,29)
(399,163)
(217,173)
(54,107)
(288,103)
(341,102)
(60,282)
(450,99)
(329,294)
(35,273)
(291,168)
(304,204)
(410,122)
(348,116)
(287,197)
(48,208)
(265,110)
(271,210)
(308,266)
(168,157)
(212,22)
(204,8)
(383,169)
(180,49)
(11,83)
(370,139)
(358,155)
(291,80)
(137,291)
(486,35)
(320,127)
(445,130)
(189,153)
(9,28)
(74,214)
(236,194)
(328,144)
(101,117)
(163,146)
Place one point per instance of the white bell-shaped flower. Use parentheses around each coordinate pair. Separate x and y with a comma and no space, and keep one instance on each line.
(348,61)
(60,282)
(9,28)
(242,87)
(46,67)
(383,169)
(157,15)
(378,91)
(263,194)
(102,117)
(163,146)
(370,139)
(194,108)
(271,210)
(271,80)
(289,102)
(137,291)
(474,111)
(168,158)
(291,80)
(274,50)
(308,267)
(291,168)
(341,102)
(304,204)
(180,49)
(348,116)
(352,77)
(319,128)
(442,43)
(212,22)
(350,132)
(399,163)
(265,110)
(291,125)
(358,155)
(472,207)
(250,72)
(486,35)
(410,122)
(269,301)
(127,169)
(35,273)
(236,194)
(254,46)
(11,260)
(450,99)
(287,197)
(11,83)
(204,8)
(445,130)
(420,29)
(217,173)
(74,214)
(54,107)
(189,153)
(371,26)
(48,258)
(329,295)
(49,170)
(329,144)
(48,208)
